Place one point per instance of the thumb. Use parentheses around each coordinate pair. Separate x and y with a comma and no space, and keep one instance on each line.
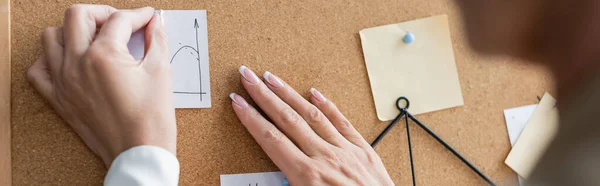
(156,44)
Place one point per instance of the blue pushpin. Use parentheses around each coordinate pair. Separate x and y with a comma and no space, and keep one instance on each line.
(285,182)
(408,38)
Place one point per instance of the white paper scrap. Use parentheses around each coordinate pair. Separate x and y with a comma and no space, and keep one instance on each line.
(253,179)
(535,138)
(516,120)
(187,33)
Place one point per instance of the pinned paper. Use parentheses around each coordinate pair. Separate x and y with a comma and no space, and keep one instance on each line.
(253,179)
(188,55)
(423,71)
(516,120)
(535,138)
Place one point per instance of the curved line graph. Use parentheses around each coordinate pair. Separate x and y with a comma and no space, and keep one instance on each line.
(178,50)
(196,50)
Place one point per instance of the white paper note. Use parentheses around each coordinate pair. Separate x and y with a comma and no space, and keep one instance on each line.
(253,179)
(188,56)
(516,120)
(535,138)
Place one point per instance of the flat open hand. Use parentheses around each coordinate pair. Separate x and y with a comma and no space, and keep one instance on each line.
(312,144)
(112,101)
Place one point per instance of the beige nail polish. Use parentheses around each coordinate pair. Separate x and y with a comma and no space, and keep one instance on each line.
(238,100)
(249,75)
(318,95)
(273,80)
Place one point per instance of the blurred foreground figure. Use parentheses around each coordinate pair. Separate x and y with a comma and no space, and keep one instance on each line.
(563,36)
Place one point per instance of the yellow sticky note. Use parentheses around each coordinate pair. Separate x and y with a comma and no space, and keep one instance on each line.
(424,71)
(535,138)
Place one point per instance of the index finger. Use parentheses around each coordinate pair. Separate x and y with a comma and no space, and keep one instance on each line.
(81,21)
(123,23)
(278,147)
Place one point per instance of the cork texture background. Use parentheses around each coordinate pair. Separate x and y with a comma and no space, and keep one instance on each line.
(308,43)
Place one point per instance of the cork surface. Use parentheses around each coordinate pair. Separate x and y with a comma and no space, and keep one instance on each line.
(307,43)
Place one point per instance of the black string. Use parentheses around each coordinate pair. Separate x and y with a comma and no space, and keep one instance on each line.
(387,129)
(412,166)
(404,112)
(450,149)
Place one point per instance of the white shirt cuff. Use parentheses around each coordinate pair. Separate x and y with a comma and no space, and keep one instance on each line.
(144,165)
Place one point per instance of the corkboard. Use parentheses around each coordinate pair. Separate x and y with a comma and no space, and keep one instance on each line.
(307,43)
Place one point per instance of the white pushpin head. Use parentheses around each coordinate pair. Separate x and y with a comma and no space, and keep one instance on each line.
(408,38)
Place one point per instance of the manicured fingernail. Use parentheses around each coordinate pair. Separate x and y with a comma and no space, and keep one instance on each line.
(273,80)
(317,95)
(238,100)
(248,75)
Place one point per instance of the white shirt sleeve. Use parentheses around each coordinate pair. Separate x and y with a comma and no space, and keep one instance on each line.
(144,165)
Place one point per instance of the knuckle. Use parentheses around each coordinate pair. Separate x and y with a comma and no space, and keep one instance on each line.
(330,136)
(48,34)
(107,10)
(372,157)
(118,15)
(69,11)
(75,11)
(313,144)
(314,115)
(358,141)
(102,49)
(333,159)
(77,6)
(49,31)
(94,58)
(31,75)
(289,116)
(345,125)
(90,19)
(273,136)
(95,52)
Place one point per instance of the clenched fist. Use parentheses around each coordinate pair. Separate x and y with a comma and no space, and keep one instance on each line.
(112,101)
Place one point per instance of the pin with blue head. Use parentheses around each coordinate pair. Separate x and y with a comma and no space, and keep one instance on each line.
(408,38)
(285,182)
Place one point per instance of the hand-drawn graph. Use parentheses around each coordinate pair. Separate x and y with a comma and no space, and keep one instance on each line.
(188,56)
(188,49)
(194,51)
